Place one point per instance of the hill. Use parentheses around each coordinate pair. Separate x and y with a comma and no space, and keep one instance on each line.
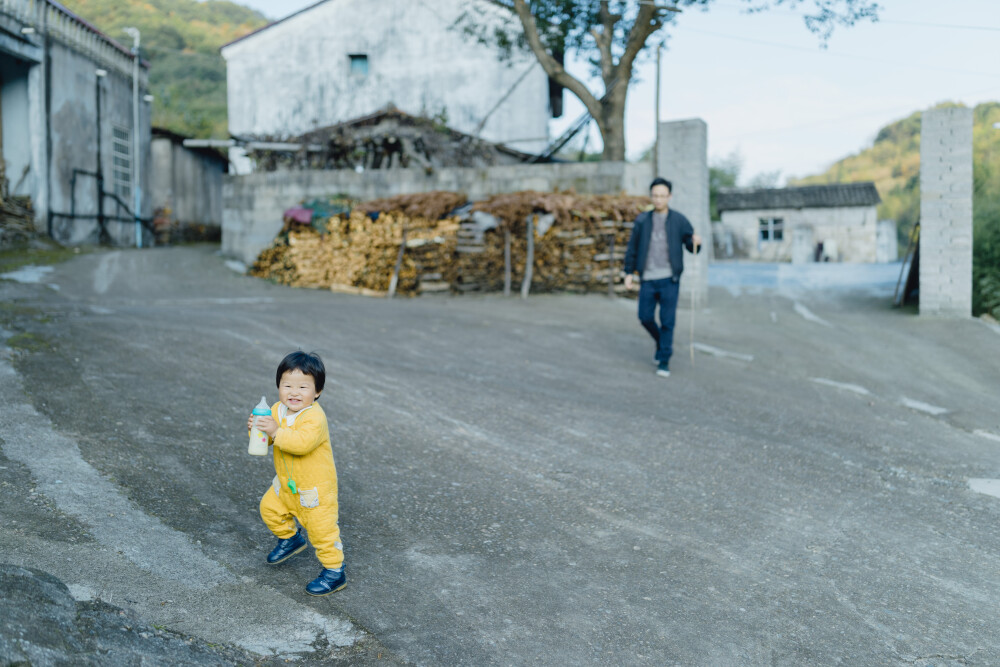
(893,163)
(181,40)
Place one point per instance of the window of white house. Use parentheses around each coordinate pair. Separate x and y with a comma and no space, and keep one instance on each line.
(121,152)
(359,65)
(772,229)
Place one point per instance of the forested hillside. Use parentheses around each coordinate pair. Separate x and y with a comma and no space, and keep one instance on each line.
(181,40)
(893,163)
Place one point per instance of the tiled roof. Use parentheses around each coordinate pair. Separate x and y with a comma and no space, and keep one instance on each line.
(810,196)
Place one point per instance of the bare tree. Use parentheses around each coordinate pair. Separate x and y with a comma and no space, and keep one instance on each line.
(611,35)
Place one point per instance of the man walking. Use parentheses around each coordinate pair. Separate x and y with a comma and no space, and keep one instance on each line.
(655,253)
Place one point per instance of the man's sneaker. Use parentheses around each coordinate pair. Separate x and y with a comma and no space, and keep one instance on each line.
(287,548)
(327,582)
(663,370)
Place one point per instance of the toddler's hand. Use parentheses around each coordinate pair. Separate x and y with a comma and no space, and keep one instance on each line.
(267,425)
(250,423)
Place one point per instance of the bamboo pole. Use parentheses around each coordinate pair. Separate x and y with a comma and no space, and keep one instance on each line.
(529,262)
(506,262)
(399,264)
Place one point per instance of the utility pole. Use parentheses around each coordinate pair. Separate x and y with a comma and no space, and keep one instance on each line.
(136,168)
(656,116)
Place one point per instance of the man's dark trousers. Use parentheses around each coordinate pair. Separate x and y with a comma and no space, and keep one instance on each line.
(664,292)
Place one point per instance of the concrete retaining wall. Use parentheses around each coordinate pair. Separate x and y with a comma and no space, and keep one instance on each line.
(253,204)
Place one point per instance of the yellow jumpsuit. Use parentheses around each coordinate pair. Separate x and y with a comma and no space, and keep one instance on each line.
(302,453)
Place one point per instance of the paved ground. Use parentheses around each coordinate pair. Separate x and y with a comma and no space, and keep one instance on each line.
(517,486)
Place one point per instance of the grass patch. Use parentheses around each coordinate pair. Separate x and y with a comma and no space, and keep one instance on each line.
(14,258)
(28,342)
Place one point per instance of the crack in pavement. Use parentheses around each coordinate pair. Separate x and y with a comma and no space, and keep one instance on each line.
(146,563)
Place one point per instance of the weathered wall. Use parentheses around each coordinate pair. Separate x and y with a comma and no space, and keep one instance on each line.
(946,213)
(50,115)
(253,204)
(73,127)
(848,234)
(23,102)
(16,119)
(682,158)
(187,182)
(296,75)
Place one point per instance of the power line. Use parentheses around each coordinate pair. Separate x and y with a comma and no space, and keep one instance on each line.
(839,119)
(866,59)
(940,25)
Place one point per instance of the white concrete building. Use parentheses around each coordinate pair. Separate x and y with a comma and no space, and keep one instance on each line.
(340,59)
(835,223)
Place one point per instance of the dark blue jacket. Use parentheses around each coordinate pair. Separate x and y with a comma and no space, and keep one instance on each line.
(679,232)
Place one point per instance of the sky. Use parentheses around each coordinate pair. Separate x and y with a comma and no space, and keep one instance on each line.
(778,101)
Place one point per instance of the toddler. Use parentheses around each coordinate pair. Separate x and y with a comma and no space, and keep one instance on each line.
(305,481)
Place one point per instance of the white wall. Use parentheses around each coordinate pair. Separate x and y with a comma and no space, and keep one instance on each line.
(851,230)
(295,75)
(16,127)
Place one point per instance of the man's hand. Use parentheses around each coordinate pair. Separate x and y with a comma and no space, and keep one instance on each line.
(696,240)
(628,281)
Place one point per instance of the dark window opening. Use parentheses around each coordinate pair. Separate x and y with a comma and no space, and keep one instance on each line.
(359,65)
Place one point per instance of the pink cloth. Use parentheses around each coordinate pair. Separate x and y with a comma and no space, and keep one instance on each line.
(299,214)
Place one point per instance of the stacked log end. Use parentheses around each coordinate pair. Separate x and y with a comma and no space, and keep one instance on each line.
(579,243)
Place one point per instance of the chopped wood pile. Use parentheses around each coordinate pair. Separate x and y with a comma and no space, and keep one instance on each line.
(360,249)
(580,241)
(579,244)
(386,139)
(17,218)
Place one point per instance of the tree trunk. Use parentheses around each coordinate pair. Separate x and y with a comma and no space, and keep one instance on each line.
(612,127)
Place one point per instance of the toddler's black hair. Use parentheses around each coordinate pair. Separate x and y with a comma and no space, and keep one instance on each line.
(307,362)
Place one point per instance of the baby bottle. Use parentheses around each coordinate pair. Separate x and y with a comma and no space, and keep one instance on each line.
(258,439)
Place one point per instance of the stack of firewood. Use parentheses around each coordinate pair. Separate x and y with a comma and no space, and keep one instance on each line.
(360,251)
(579,244)
(17,226)
(579,241)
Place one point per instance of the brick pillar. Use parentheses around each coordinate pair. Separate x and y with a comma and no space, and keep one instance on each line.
(682,157)
(946,213)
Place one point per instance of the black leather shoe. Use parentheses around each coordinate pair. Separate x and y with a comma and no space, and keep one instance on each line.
(327,582)
(287,548)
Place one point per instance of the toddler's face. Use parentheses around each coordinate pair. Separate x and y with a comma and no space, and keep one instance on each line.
(297,390)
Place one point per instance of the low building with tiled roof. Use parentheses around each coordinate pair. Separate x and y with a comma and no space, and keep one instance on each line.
(837,222)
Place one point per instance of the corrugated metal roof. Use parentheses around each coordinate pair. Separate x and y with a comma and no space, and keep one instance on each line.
(810,196)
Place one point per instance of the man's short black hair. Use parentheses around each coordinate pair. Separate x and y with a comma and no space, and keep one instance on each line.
(661,181)
(308,363)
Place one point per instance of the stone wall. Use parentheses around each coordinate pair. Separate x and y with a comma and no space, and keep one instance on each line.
(946,213)
(253,204)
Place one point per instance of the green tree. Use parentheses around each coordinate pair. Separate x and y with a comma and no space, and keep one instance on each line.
(722,173)
(611,35)
(180,40)
(893,164)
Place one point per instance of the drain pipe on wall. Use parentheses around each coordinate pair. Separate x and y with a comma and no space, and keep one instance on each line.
(136,164)
(102,229)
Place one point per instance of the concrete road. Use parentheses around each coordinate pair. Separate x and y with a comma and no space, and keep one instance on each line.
(517,485)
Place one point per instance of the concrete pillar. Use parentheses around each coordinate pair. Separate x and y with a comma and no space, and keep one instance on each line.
(946,213)
(682,156)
